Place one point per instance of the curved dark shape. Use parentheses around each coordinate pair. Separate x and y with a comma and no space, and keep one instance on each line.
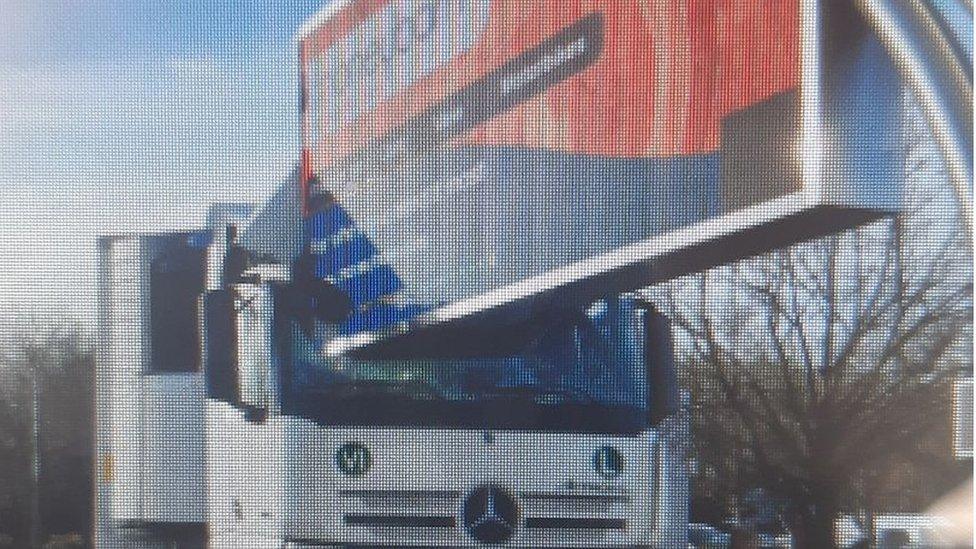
(490,514)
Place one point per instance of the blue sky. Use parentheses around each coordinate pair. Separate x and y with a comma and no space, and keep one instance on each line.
(124,115)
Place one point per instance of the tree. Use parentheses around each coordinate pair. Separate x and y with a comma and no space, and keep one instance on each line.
(820,373)
(14,465)
(47,373)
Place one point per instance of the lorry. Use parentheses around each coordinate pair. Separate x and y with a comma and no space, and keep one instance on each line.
(245,431)
(430,334)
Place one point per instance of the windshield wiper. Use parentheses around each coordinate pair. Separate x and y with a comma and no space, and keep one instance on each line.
(549,396)
(413,389)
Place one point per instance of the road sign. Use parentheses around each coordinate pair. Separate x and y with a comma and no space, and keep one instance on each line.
(468,165)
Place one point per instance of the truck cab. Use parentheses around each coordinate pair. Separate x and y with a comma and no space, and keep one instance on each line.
(569,434)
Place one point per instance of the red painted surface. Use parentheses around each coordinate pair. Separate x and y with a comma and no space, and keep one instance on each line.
(669,72)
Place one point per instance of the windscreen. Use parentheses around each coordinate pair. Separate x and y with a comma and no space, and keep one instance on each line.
(584,372)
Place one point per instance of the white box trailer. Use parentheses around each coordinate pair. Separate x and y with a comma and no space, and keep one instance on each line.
(150,387)
(149,406)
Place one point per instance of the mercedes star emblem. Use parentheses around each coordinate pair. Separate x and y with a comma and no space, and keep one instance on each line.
(490,514)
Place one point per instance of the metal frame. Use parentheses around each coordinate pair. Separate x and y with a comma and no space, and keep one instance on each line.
(934,61)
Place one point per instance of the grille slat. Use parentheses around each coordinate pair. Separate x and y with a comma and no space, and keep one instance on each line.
(576,523)
(400,502)
(432,494)
(569,505)
(583,498)
(402,521)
